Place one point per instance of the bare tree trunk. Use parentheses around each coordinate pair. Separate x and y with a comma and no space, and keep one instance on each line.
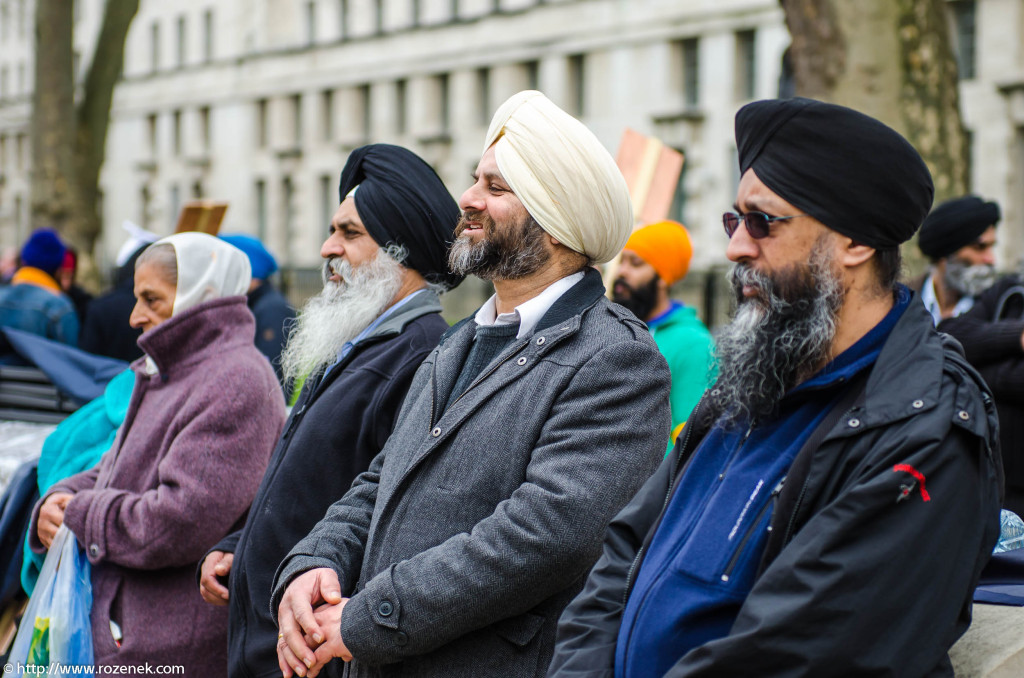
(52,196)
(893,60)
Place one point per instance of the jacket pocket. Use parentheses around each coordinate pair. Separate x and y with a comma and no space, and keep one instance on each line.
(519,630)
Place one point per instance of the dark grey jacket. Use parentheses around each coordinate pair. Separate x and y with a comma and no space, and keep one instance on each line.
(864,576)
(475,526)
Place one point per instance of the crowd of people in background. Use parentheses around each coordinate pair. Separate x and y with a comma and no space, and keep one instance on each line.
(495,498)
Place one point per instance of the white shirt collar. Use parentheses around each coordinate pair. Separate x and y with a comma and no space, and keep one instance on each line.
(931,301)
(528,313)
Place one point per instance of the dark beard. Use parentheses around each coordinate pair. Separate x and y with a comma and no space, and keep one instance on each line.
(776,340)
(641,301)
(508,252)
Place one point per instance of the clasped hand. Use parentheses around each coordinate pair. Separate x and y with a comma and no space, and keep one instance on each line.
(309,620)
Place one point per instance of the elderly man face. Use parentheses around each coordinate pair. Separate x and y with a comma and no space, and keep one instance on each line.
(347,241)
(497,239)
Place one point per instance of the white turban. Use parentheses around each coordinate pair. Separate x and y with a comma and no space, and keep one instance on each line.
(208,268)
(562,174)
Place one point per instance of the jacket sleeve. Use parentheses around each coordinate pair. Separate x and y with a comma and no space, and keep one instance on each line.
(603,437)
(205,482)
(875,583)
(71,485)
(589,627)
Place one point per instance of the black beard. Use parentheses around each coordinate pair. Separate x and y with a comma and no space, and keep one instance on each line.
(508,252)
(641,301)
(776,339)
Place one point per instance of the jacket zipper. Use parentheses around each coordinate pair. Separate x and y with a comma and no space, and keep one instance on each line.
(772,499)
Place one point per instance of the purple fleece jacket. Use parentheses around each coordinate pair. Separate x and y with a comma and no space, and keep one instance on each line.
(181,475)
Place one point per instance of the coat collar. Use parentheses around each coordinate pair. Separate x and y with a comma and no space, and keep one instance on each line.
(211,326)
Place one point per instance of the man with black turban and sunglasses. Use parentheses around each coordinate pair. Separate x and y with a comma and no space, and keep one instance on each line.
(834,496)
(357,344)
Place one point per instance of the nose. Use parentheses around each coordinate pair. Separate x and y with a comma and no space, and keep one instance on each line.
(988,257)
(137,319)
(741,245)
(332,247)
(472,199)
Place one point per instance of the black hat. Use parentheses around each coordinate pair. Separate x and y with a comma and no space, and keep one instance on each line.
(954,224)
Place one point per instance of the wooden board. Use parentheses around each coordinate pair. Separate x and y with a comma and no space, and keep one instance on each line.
(205,216)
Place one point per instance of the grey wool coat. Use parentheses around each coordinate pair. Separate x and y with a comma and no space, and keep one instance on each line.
(476,525)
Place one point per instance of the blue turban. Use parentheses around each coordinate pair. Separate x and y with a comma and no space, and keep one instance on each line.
(262,261)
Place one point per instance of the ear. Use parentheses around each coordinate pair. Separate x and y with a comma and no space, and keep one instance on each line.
(852,254)
(555,242)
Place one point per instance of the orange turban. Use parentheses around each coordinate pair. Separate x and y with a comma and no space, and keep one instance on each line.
(666,246)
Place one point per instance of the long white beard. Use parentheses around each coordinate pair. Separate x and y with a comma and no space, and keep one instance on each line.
(340,312)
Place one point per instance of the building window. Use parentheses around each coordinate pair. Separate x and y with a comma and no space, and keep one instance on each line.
(154,46)
(5,21)
(3,82)
(483,90)
(327,115)
(176,132)
(208,35)
(204,128)
(746,73)
(444,106)
(145,198)
(3,152)
(18,218)
(21,18)
(151,138)
(531,69)
(965,27)
(310,23)
(19,152)
(261,210)
(22,86)
(577,84)
(453,10)
(296,104)
(343,19)
(261,123)
(365,110)
(677,212)
(175,206)
(287,197)
(691,72)
(327,199)
(378,16)
(417,12)
(401,103)
(180,51)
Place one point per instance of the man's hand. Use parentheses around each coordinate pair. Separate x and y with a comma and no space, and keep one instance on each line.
(328,617)
(217,564)
(295,619)
(51,516)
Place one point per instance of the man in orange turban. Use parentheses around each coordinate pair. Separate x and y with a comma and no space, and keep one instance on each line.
(655,258)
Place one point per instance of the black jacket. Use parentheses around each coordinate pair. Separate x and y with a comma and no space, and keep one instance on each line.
(336,428)
(993,347)
(862,575)
(272,312)
(106,330)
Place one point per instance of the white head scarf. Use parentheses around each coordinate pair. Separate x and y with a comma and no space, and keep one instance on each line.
(562,174)
(208,268)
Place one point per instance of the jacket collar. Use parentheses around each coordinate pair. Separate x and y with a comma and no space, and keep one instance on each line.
(29,275)
(423,303)
(211,326)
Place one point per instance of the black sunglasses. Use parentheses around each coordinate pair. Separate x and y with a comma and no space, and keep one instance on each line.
(758,223)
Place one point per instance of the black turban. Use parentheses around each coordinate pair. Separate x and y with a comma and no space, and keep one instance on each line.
(845,169)
(955,224)
(402,201)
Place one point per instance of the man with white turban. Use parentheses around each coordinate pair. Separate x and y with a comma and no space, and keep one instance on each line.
(524,431)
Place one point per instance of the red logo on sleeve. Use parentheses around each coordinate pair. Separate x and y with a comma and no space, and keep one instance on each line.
(905,490)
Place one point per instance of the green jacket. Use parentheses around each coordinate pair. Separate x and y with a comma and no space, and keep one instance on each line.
(687,346)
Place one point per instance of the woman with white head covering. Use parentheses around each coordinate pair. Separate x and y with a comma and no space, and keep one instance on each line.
(204,417)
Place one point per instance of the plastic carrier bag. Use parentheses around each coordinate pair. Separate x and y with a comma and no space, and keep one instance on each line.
(55,630)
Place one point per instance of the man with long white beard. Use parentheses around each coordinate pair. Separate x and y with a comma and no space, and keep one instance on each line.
(832,500)
(528,427)
(959,238)
(357,344)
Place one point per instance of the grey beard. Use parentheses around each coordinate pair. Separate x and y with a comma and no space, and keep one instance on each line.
(775,340)
(966,280)
(340,312)
(509,254)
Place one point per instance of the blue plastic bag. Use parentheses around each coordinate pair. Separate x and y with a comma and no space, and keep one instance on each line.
(55,630)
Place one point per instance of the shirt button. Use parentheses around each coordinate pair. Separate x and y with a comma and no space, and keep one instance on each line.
(401,639)
(436,432)
(540,341)
(385,609)
(94,550)
(963,415)
(521,361)
(918,404)
(853,423)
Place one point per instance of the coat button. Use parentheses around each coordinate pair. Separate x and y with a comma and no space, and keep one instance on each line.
(963,415)
(94,550)
(436,432)
(521,361)
(918,404)
(540,341)
(385,608)
(853,423)
(401,639)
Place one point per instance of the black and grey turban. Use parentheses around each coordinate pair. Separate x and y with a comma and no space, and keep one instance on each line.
(955,224)
(847,170)
(402,201)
